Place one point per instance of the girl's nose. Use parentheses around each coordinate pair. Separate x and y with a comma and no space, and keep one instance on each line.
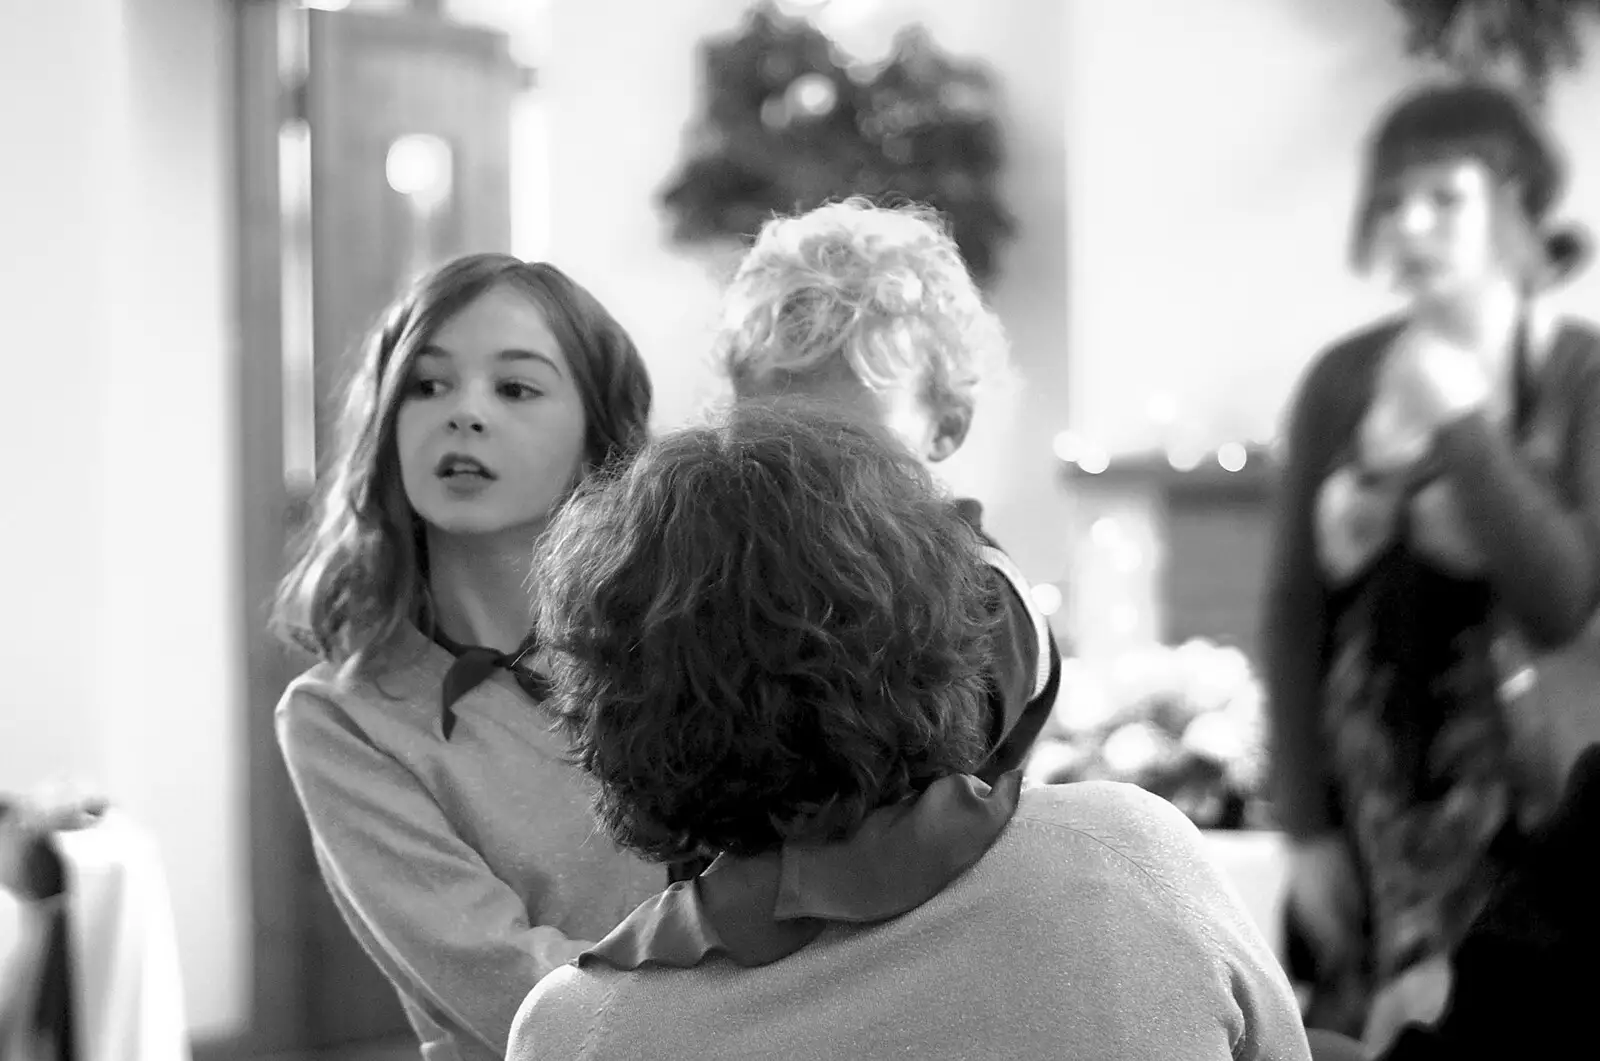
(468,413)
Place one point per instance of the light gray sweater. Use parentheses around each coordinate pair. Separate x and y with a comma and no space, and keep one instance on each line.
(467,869)
(1094,927)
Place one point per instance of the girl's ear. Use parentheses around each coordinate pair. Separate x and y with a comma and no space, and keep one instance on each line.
(1567,250)
(950,429)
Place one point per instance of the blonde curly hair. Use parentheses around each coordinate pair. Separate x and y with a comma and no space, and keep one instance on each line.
(882,289)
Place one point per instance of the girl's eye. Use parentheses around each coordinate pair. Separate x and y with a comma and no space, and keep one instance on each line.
(520,392)
(425,388)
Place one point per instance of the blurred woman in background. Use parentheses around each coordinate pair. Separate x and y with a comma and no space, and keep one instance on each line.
(1438,531)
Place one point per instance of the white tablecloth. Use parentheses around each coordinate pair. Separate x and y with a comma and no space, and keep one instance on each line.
(128,994)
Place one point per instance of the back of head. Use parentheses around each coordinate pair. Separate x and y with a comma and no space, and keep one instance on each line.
(762,631)
(880,293)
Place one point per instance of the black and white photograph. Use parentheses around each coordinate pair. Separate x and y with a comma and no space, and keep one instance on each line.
(810,530)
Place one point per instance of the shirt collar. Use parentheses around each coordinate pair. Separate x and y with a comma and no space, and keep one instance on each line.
(756,910)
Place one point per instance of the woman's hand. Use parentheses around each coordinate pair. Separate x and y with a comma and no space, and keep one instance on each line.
(1326,897)
(1417,996)
(1432,380)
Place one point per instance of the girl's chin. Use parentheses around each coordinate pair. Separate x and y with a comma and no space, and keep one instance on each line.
(480,524)
(1430,292)
(492,510)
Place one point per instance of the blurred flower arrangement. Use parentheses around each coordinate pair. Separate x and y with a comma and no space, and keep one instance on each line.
(792,121)
(1183,722)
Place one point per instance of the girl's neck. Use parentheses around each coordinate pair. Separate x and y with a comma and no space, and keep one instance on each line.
(479,585)
(1485,321)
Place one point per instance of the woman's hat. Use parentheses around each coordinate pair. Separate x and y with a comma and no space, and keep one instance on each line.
(1486,121)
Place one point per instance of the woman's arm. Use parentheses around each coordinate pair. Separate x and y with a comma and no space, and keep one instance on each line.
(562,1013)
(1294,616)
(430,911)
(1198,949)
(1024,674)
(1543,557)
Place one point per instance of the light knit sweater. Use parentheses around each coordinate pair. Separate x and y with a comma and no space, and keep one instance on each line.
(1094,927)
(467,868)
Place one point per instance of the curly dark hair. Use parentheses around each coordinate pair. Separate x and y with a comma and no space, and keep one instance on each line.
(763,630)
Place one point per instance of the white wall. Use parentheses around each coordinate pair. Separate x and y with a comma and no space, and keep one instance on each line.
(120,654)
(52,271)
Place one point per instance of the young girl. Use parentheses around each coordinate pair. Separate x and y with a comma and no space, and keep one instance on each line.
(453,837)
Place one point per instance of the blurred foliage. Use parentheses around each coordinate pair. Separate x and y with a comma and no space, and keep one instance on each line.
(1529,40)
(791,122)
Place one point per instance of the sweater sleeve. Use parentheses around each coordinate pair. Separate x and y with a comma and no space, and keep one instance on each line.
(1025,672)
(1025,720)
(1295,620)
(558,1017)
(1270,1027)
(1258,1004)
(1543,554)
(424,903)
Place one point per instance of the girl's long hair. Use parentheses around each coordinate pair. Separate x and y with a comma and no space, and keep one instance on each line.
(359,567)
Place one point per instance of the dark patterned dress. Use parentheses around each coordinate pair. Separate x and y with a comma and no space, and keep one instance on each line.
(1418,698)
(1427,726)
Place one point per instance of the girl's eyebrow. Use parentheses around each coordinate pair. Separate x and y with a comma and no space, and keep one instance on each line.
(511,354)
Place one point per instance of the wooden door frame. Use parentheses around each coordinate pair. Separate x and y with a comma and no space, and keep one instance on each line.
(261,104)
(278,867)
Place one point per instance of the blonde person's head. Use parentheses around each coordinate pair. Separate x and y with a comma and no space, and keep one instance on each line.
(865,306)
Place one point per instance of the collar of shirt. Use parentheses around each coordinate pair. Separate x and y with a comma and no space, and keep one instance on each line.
(756,910)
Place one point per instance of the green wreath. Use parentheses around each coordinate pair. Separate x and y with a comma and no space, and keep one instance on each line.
(1535,38)
(791,123)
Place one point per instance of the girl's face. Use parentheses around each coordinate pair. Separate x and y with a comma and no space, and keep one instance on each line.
(1437,232)
(491,428)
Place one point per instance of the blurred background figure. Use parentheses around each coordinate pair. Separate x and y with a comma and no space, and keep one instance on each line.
(1439,528)
(213,200)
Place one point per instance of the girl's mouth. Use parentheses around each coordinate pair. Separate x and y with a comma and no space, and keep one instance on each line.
(457,465)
